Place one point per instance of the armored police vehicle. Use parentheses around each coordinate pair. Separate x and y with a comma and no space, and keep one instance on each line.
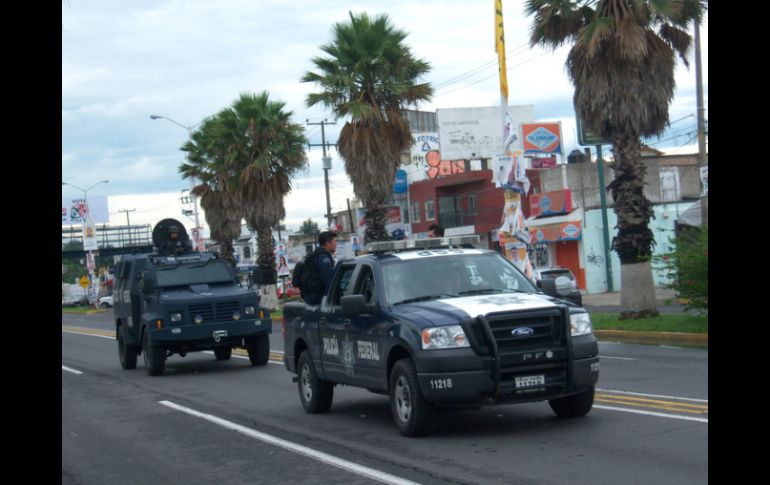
(435,323)
(177,301)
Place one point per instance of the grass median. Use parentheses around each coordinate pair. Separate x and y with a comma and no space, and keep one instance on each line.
(684,323)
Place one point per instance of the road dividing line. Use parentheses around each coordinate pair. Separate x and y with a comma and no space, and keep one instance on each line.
(68,369)
(661,396)
(650,413)
(349,466)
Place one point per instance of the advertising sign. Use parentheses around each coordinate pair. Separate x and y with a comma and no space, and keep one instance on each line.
(565,231)
(399,187)
(551,203)
(75,209)
(424,143)
(541,137)
(89,235)
(469,133)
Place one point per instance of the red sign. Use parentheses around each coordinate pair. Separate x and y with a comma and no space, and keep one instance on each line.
(565,231)
(541,137)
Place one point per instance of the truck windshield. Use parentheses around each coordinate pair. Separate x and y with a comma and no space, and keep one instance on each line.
(194,274)
(454,275)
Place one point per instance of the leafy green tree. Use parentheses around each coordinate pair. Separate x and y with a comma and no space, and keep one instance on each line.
(370,74)
(207,161)
(622,66)
(309,227)
(266,150)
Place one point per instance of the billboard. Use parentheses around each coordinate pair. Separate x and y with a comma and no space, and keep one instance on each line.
(468,133)
(75,209)
(541,137)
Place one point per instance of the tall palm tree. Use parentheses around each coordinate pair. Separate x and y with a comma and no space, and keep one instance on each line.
(622,66)
(370,75)
(265,149)
(221,205)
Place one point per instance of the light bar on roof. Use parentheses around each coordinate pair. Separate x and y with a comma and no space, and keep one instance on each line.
(430,243)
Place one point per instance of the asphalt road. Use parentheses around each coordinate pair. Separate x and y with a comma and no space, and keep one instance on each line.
(228,422)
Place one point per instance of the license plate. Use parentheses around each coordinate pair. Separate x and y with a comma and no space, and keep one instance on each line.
(530,381)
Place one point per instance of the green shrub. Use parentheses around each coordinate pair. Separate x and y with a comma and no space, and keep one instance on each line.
(687,266)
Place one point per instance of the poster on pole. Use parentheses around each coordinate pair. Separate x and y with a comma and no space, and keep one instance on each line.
(89,235)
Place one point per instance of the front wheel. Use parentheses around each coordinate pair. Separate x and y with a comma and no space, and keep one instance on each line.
(575,405)
(258,349)
(127,353)
(414,416)
(315,394)
(154,356)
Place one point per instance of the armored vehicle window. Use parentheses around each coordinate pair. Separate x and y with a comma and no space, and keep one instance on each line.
(194,274)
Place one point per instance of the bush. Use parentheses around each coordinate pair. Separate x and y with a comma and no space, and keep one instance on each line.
(687,266)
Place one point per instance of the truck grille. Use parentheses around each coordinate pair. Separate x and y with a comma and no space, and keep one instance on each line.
(546,329)
(218,312)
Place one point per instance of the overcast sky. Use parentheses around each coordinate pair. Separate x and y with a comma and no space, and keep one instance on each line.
(188,59)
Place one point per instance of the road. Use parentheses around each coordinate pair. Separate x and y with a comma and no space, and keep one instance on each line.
(228,422)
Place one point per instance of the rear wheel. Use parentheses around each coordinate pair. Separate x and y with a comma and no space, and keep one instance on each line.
(223,353)
(127,353)
(258,349)
(315,394)
(154,356)
(414,416)
(575,405)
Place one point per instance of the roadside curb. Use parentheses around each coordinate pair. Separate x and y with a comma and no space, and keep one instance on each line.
(699,340)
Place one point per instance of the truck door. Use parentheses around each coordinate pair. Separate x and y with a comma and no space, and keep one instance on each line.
(368,332)
(337,346)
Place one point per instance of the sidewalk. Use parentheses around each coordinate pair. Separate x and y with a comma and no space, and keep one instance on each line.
(665,297)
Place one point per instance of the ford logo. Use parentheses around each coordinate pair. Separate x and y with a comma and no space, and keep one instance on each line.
(522,332)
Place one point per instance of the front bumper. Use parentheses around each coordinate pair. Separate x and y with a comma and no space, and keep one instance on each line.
(209,335)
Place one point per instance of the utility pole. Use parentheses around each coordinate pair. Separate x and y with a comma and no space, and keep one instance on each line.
(327,165)
(702,161)
(128,222)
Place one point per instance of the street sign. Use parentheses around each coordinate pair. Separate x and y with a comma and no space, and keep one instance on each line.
(586,138)
(84,282)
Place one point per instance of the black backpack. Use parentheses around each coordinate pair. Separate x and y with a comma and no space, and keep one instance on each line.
(306,276)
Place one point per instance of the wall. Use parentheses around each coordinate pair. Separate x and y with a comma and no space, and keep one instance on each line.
(582,178)
(662,227)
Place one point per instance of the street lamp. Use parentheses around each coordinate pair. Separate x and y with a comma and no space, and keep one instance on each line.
(192,180)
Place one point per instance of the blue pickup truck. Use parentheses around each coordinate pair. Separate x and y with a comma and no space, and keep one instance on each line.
(436,323)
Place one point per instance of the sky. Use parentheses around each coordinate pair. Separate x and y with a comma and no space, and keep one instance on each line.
(186,60)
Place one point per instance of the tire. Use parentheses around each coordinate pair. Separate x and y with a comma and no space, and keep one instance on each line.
(258,349)
(223,353)
(126,353)
(573,406)
(413,415)
(154,356)
(315,394)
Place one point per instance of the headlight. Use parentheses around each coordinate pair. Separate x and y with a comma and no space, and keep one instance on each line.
(249,310)
(176,317)
(581,324)
(444,338)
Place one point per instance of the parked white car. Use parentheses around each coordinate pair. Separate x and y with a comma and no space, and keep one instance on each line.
(105,301)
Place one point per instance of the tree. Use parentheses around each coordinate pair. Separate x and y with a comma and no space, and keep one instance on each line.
(309,227)
(370,75)
(622,66)
(265,149)
(206,161)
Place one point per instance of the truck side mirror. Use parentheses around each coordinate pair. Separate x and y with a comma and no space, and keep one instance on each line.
(356,305)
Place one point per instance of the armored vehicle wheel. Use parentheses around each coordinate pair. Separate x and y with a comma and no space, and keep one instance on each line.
(126,353)
(154,357)
(223,353)
(414,416)
(573,406)
(315,394)
(258,349)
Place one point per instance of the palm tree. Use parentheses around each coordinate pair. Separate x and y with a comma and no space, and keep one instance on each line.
(265,149)
(622,66)
(221,205)
(370,74)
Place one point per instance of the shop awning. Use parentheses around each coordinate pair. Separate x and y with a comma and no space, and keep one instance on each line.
(556,228)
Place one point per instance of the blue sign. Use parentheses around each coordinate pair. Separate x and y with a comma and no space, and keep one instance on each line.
(401,182)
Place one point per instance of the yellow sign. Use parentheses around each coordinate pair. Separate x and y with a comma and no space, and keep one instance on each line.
(84,282)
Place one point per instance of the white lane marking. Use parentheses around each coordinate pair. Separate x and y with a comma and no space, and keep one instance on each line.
(616,358)
(295,448)
(650,413)
(660,396)
(88,334)
(68,369)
